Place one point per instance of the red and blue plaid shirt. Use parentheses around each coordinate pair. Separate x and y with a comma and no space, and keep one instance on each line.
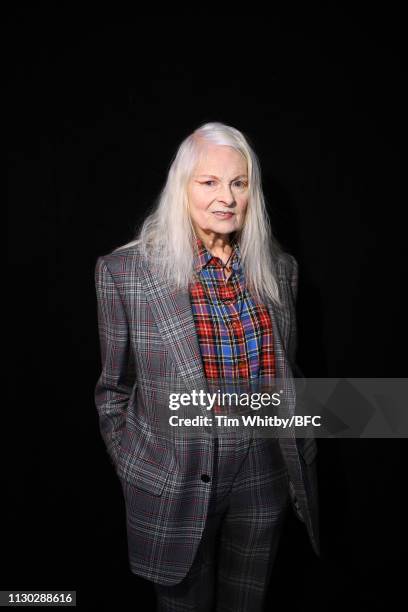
(234,333)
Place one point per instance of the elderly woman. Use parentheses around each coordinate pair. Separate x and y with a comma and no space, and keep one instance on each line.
(204,293)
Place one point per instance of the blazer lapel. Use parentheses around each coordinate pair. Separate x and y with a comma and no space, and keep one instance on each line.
(279,339)
(174,318)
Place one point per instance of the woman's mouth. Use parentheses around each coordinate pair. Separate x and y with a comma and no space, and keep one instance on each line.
(223,215)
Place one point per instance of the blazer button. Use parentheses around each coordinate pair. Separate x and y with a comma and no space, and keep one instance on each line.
(205,478)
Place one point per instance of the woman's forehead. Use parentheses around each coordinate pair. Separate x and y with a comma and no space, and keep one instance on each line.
(213,157)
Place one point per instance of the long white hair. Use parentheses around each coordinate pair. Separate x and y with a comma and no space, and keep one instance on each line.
(166,236)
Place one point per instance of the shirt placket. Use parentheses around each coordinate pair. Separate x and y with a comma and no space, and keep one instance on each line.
(228,295)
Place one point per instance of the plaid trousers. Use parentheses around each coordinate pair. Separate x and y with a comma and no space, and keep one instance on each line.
(249,501)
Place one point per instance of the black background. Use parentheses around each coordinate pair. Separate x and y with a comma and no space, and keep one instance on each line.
(98,103)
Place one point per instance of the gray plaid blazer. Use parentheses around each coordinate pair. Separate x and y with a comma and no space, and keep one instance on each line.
(148,342)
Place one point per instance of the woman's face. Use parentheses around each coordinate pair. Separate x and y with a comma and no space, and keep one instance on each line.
(218,191)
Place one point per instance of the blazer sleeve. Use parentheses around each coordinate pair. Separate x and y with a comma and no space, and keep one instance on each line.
(308,444)
(116,380)
(293,340)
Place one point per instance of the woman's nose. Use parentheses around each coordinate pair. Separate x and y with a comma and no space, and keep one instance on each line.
(225,195)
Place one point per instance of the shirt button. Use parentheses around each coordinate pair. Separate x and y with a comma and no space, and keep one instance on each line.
(235,324)
(205,478)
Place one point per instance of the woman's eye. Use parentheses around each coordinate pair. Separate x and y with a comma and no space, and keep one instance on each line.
(239,183)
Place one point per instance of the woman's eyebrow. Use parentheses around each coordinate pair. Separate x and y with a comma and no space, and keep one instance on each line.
(213,176)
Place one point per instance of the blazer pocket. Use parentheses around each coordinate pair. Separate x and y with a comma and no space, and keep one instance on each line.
(144,461)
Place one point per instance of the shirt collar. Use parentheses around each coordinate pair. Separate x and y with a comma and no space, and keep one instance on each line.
(202,256)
